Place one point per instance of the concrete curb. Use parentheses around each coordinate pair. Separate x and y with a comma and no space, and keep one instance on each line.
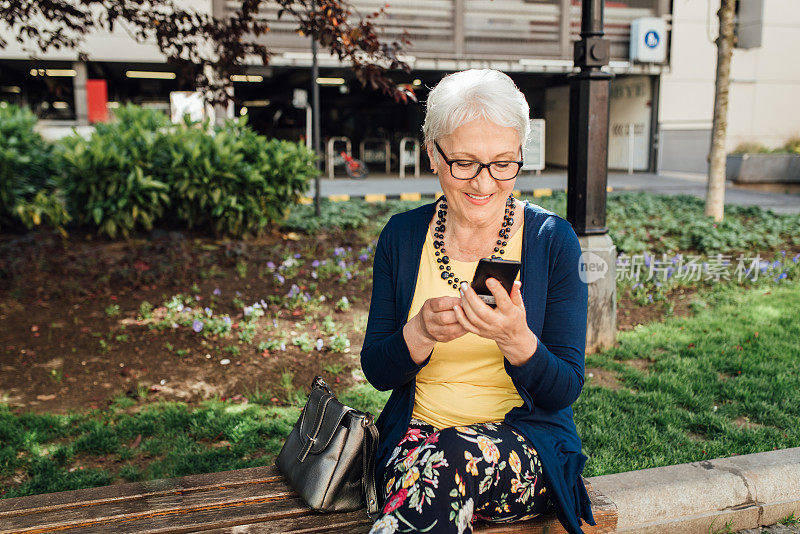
(743,492)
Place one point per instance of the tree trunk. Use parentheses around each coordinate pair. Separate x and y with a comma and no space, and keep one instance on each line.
(715,191)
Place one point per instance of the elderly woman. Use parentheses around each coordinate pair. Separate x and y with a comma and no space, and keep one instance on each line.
(479,423)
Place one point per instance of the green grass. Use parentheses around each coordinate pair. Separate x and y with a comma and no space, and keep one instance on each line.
(736,358)
(162,440)
(790,520)
(706,372)
(56,453)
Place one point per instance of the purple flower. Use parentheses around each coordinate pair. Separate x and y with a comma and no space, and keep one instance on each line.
(238,294)
(319,343)
(208,311)
(179,307)
(348,275)
(280,278)
(796,258)
(342,264)
(315,263)
(217,291)
(270,265)
(297,255)
(647,260)
(227,319)
(363,257)
(670,270)
(782,275)
(263,304)
(649,297)
(324,262)
(338,251)
(349,248)
(783,253)
(294,291)
(775,263)
(187,310)
(658,284)
(197,325)
(636,285)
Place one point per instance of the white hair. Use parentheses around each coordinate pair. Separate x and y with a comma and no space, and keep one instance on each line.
(464,96)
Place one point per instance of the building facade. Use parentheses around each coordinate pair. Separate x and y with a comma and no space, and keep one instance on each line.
(765,77)
(660,112)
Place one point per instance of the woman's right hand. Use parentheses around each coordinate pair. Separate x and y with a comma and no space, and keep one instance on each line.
(438,321)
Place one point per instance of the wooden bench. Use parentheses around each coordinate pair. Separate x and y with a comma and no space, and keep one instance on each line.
(245,500)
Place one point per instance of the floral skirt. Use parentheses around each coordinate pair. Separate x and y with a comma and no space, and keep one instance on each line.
(443,480)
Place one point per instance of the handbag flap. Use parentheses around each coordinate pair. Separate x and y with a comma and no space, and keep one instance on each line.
(321,405)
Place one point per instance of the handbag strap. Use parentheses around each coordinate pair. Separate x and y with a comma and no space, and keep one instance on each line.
(370,450)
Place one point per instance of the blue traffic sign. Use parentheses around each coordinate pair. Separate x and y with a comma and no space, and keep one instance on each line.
(651,39)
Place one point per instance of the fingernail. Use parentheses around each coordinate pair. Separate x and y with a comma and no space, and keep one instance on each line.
(490,282)
(463,287)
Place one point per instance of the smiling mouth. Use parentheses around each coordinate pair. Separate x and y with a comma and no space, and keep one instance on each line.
(478,197)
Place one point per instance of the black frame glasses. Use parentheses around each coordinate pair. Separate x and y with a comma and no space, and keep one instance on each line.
(480,165)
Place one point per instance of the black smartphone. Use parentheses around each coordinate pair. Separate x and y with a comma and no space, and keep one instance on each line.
(504,271)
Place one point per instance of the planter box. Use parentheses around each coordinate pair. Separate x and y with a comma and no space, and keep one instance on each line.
(763,168)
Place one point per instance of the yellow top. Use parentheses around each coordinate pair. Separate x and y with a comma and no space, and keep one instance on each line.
(465,381)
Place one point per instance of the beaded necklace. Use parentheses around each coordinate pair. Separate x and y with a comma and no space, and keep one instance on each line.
(441,256)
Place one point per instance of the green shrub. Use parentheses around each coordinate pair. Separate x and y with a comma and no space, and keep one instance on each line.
(792,146)
(235,181)
(28,193)
(142,170)
(109,178)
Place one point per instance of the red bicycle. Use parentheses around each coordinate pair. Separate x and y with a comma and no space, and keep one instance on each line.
(354,168)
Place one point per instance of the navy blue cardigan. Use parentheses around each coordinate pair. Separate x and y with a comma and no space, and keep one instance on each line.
(556,305)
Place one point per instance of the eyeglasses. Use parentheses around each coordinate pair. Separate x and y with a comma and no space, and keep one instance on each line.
(467,169)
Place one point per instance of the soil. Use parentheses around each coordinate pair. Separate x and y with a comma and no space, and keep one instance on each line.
(55,296)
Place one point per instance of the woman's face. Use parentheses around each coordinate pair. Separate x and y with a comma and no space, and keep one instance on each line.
(484,141)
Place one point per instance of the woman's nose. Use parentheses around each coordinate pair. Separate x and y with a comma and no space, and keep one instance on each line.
(484,181)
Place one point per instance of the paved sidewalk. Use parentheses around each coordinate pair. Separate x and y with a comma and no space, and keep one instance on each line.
(666,183)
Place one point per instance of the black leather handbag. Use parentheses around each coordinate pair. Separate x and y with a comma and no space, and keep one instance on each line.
(329,456)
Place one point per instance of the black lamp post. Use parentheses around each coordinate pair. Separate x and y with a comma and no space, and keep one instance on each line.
(587,173)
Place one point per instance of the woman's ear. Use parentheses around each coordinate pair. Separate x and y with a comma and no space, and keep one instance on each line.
(434,168)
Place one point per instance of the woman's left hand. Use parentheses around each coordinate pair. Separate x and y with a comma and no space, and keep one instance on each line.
(506,324)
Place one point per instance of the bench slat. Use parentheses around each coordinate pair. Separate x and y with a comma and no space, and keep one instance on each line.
(246,500)
(170,503)
(137,490)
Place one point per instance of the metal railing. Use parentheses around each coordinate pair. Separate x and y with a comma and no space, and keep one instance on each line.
(403,143)
(452,29)
(330,157)
(362,154)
